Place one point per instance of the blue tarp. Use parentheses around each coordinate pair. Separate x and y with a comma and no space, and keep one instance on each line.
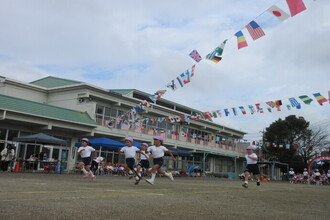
(104,142)
(192,168)
(182,153)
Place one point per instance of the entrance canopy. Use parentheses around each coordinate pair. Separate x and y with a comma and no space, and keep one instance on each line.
(40,138)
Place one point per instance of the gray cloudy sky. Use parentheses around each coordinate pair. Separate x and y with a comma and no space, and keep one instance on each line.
(145,44)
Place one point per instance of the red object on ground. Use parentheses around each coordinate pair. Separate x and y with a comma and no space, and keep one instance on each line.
(17,167)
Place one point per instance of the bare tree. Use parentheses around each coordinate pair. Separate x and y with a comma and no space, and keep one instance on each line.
(313,142)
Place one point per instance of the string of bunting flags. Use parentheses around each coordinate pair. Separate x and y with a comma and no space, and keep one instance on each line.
(253,28)
(260,108)
(295,7)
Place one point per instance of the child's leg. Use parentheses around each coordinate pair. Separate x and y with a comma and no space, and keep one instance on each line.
(247,176)
(138,171)
(81,166)
(256,177)
(153,172)
(90,172)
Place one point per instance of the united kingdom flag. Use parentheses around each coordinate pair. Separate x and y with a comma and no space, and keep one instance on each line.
(195,55)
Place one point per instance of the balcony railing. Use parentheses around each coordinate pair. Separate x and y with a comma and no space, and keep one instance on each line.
(155,132)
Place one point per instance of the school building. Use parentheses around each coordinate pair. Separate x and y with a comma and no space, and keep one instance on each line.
(70,110)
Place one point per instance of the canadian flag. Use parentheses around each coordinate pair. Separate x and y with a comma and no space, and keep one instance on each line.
(278,13)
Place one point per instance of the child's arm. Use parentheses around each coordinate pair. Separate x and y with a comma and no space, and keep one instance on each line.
(141,152)
(170,153)
(253,158)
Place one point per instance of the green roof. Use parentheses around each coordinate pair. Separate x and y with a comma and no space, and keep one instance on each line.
(44,110)
(122,91)
(51,82)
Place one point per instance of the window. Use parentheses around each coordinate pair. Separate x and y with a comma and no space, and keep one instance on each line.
(12,134)
(99,109)
(3,134)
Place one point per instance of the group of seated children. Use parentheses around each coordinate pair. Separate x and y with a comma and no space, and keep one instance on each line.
(314,177)
(114,169)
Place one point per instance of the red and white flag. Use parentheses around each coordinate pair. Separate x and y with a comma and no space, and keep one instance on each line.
(296,6)
(192,71)
(278,13)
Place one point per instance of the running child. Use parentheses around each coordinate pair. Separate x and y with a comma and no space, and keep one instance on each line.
(143,164)
(130,151)
(251,167)
(157,152)
(85,152)
(291,176)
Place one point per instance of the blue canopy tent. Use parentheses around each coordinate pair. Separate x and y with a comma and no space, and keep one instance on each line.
(104,142)
(182,153)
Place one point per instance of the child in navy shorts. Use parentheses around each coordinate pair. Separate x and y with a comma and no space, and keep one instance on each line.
(143,164)
(158,151)
(130,151)
(252,166)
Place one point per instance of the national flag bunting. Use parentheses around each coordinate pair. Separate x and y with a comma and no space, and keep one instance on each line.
(234,111)
(319,98)
(242,110)
(185,77)
(193,71)
(306,99)
(180,82)
(215,56)
(278,104)
(258,107)
(296,6)
(294,102)
(271,104)
(159,93)
(241,41)
(172,85)
(252,109)
(255,30)
(278,13)
(226,112)
(195,56)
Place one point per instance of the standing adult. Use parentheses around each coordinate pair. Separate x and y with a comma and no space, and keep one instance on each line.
(85,152)
(7,155)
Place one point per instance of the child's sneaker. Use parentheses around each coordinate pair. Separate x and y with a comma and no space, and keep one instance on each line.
(92,179)
(137,182)
(169,175)
(245,185)
(258,183)
(150,181)
(86,175)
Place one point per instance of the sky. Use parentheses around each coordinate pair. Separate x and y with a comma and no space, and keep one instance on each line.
(145,44)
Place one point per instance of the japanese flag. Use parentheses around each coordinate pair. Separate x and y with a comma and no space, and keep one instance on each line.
(278,13)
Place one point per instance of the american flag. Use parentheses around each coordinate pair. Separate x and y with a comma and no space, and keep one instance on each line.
(255,30)
(195,55)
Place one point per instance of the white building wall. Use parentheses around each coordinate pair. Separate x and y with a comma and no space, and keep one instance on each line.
(23,93)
